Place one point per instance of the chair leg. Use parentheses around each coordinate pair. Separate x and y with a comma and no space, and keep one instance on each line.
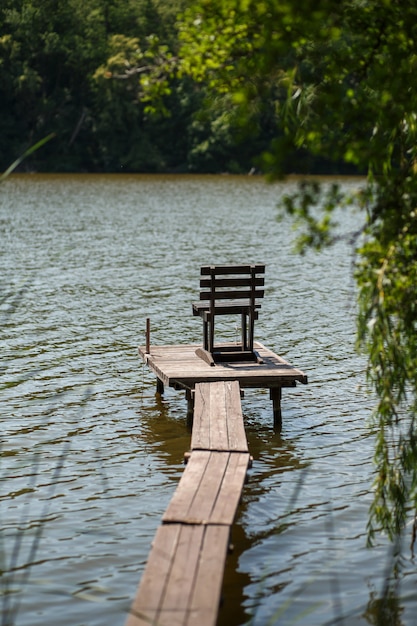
(211,334)
(244,332)
(205,335)
(251,331)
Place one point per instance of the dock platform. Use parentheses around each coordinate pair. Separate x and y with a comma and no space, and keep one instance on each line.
(179,366)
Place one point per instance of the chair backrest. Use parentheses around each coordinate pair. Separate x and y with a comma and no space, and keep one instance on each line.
(232,282)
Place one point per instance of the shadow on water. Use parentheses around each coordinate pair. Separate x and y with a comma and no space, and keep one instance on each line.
(385,611)
(165,430)
(273,455)
(385,608)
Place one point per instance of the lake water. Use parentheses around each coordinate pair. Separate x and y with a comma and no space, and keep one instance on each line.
(90,456)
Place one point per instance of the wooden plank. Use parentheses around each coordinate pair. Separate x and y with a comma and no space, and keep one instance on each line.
(218,439)
(232,269)
(228,498)
(238,294)
(232,281)
(200,437)
(197,490)
(182,500)
(234,418)
(145,607)
(205,497)
(182,582)
(176,601)
(225,306)
(218,420)
(209,490)
(206,595)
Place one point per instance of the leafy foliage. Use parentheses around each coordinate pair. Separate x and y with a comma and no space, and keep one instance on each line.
(102,76)
(340,76)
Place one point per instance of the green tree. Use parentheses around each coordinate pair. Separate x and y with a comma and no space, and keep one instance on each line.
(89,70)
(47,50)
(186,131)
(52,57)
(340,77)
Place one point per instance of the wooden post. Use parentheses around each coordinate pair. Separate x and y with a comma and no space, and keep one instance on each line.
(212,307)
(245,343)
(159,386)
(148,335)
(189,394)
(276,395)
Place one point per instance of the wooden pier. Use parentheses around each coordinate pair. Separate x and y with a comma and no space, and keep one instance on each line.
(182,581)
(180,367)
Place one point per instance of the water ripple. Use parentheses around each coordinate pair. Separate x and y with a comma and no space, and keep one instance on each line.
(90,457)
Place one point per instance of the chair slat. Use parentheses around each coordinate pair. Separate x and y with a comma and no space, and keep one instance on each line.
(231,269)
(238,294)
(206,283)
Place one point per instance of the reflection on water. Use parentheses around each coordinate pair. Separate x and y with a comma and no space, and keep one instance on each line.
(91,457)
(386,609)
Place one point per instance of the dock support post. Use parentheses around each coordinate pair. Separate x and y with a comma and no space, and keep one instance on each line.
(159,386)
(276,395)
(189,394)
(148,335)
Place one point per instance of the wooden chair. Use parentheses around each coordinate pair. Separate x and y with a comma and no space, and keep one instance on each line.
(229,290)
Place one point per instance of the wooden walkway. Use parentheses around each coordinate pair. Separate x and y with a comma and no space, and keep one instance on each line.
(182,581)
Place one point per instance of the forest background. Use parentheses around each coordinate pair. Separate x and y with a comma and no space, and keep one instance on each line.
(77,68)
